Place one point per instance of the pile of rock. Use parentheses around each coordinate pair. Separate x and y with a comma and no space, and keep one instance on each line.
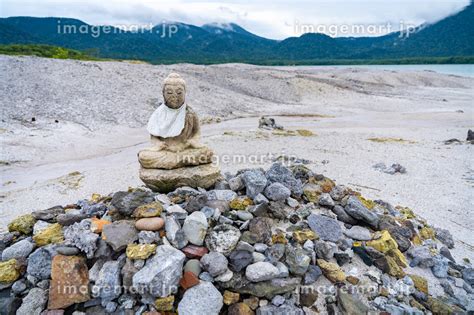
(280,241)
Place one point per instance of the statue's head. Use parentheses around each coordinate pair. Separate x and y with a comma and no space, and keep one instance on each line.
(174,90)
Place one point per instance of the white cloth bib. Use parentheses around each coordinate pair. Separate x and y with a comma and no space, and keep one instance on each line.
(167,122)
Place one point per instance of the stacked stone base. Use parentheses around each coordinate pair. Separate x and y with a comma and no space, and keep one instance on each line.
(164,171)
(162,180)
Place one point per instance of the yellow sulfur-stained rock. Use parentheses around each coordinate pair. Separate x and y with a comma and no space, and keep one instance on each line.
(427,233)
(149,210)
(9,271)
(231,297)
(279,238)
(331,271)
(312,192)
(164,304)
(421,283)
(369,204)
(50,235)
(140,251)
(23,224)
(384,243)
(304,235)
(398,256)
(240,203)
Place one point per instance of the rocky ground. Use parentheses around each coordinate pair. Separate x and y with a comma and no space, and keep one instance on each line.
(278,241)
(70,129)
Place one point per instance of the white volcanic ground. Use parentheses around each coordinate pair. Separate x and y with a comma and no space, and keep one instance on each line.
(102,108)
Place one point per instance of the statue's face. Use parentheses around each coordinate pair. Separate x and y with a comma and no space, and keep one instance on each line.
(174,95)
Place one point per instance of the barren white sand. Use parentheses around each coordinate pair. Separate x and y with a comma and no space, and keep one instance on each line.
(102,107)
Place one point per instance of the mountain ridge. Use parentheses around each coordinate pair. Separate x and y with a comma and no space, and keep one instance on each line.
(229,42)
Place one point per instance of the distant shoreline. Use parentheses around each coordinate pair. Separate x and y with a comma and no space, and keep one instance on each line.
(57,52)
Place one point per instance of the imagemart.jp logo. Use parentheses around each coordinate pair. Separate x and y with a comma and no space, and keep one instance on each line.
(163,30)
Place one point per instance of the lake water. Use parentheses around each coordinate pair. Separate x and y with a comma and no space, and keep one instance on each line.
(466,70)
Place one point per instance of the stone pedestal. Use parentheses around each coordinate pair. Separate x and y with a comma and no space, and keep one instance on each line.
(164,171)
(162,180)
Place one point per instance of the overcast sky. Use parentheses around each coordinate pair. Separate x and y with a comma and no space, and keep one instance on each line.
(275,19)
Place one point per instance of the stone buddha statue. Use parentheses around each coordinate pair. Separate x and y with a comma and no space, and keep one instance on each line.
(175,147)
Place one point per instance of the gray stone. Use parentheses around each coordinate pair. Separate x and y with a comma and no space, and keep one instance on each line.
(239,259)
(110,307)
(260,247)
(119,234)
(177,211)
(49,214)
(343,216)
(67,250)
(40,226)
(277,192)
(275,252)
(254,181)
(328,229)
(279,310)
(349,304)
(421,257)
(215,263)
(338,192)
(19,286)
(236,183)
(283,271)
(148,237)
(256,257)
(203,298)
(195,228)
(326,200)
(292,202)
(206,276)
(312,275)
(43,284)
(162,272)
(103,249)
(80,235)
(260,198)
(224,194)
(261,271)
(259,210)
(71,217)
(208,211)
(223,238)
(94,209)
(325,250)
(107,285)
(468,275)
(194,266)
(356,209)
(297,260)
(245,246)
(226,276)
(95,270)
(39,263)
(18,250)
(174,233)
(278,300)
(126,202)
(358,233)
(196,203)
(244,215)
(444,251)
(445,237)
(278,173)
(34,302)
(440,267)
